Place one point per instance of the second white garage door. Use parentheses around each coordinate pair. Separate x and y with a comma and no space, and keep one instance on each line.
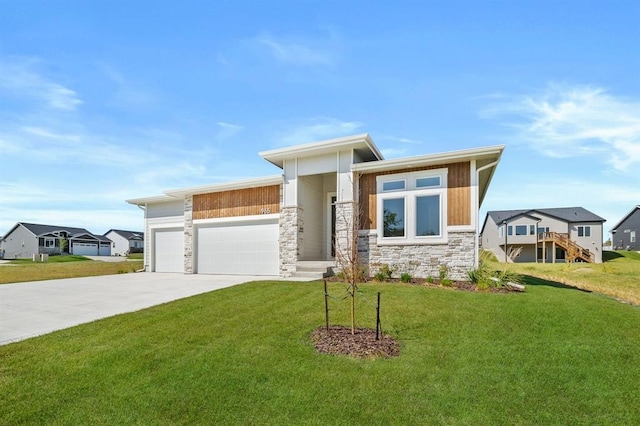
(238,249)
(84,249)
(169,250)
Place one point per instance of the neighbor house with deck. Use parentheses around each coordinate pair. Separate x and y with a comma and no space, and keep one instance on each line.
(567,234)
(417,214)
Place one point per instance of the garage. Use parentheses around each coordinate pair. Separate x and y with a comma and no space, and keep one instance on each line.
(238,248)
(84,249)
(169,250)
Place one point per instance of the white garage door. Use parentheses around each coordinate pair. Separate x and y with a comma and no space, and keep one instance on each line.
(238,249)
(85,249)
(169,250)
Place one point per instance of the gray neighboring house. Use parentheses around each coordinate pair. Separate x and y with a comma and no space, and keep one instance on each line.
(566,234)
(125,242)
(624,236)
(26,239)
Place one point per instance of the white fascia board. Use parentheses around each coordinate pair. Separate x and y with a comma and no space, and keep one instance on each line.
(151,200)
(226,186)
(363,140)
(429,160)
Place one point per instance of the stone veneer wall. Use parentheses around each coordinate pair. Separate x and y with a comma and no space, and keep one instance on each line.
(458,255)
(344,233)
(188,234)
(291,230)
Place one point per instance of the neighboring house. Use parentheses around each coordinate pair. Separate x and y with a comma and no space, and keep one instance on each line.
(544,235)
(417,213)
(26,239)
(125,242)
(624,236)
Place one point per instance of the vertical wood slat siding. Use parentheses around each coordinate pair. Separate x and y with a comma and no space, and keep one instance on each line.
(239,202)
(458,194)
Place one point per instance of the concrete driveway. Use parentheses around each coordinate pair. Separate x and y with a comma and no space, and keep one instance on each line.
(34,308)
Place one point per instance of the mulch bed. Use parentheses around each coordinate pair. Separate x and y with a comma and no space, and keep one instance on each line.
(338,340)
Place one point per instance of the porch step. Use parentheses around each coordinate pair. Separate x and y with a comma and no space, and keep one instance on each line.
(314,269)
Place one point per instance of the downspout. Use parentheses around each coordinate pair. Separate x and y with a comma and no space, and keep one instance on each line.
(144,267)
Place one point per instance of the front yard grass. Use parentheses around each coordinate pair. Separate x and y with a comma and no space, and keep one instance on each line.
(242,355)
(24,270)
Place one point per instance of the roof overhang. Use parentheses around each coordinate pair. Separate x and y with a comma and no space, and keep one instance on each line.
(226,186)
(362,144)
(151,200)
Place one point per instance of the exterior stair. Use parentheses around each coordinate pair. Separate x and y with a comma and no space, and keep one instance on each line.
(575,252)
(314,270)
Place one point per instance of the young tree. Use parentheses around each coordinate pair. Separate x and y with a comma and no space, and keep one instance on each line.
(346,249)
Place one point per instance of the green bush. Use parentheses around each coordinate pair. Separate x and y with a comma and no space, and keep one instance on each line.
(406,277)
(385,272)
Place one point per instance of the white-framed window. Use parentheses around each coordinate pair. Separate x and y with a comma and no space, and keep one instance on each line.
(49,242)
(412,207)
(501,231)
(532,230)
(632,237)
(521,229)
(584,231)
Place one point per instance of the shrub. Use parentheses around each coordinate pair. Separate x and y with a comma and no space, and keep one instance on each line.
(384,273)
(443,272)
(430,279)
(405,277)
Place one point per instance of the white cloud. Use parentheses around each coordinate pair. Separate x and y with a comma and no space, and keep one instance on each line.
(227,130)
(399,140)
(18,77)
(564,121)
(318,129)
(294,52)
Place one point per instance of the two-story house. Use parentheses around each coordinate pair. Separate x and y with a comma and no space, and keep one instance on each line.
(626,234)
(566,234)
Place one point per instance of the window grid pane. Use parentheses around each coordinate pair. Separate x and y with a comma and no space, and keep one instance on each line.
(428,216)
(393,186)
(428,182)
(393,217)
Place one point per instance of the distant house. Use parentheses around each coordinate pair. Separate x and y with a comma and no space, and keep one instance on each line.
(567,234)
(624,236)
(26,239)
(125,242)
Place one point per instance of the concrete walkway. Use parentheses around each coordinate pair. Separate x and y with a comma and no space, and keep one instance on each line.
(34,308)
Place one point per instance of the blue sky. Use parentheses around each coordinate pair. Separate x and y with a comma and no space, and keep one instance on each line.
(104,101)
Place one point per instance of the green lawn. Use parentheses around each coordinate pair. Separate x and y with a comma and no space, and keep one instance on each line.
(242,355)
(618,276)
(68,266)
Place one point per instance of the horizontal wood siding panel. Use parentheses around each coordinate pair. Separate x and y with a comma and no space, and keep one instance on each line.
(458,194)
(239,202)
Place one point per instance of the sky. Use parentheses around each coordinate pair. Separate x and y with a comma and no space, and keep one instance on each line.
(104,101)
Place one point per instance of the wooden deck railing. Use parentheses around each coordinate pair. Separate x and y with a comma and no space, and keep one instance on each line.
(573,249)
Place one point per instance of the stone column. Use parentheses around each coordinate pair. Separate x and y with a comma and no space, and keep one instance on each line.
(188,234)
(291,222)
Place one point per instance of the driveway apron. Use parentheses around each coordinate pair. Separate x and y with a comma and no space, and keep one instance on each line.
(34,308)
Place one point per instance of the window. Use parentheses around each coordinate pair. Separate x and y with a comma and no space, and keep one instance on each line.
(543,230)
(510,230)
(584,231)
(532,230)
(393,185)
(393,217)
(501,232)
(49,242)
(429,182)
(428,215)
(521,229)
(411,207)
(632,237)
